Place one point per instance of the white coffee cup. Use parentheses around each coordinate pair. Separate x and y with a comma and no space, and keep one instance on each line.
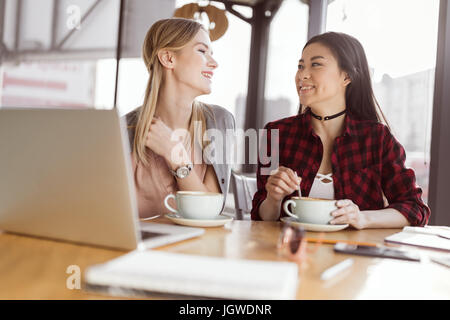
(196,204)
(311,210)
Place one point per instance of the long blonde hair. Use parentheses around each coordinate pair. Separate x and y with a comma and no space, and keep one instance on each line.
(171,34)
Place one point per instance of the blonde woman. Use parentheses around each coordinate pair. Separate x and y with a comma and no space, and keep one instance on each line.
(178,55)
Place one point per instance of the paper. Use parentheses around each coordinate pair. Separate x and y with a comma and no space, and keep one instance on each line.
(443,232)
(158,271)
(419,239)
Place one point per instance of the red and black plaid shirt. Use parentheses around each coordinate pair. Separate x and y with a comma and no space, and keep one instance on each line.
(366,160)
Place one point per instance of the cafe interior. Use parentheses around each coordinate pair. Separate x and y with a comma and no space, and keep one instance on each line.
(70,72)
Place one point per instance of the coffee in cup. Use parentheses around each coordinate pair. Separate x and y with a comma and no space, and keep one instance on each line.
(310,210)
(196,204)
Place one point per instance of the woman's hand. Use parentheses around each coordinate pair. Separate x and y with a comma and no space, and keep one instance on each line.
(348,212)
(159,140)
(282,182)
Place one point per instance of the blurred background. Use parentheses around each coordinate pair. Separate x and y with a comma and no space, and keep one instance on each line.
(64,54)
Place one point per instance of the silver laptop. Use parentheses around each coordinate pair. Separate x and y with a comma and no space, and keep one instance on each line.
(66,174)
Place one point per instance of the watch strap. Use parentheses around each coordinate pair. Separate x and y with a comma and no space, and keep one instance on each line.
(189,166)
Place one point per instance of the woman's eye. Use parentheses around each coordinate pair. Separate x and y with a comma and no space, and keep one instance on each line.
(202,51)
(300,67)
(315,64)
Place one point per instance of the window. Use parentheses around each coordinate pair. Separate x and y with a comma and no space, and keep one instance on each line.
(229,86)
(54,51)
(400,40)
(288,33)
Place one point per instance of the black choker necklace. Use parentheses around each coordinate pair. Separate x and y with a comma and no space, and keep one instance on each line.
(328,117)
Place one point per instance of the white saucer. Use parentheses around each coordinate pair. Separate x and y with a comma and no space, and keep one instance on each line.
(220,220)
(315,227)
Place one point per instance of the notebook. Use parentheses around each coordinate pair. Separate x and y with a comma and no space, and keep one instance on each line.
(425,237)
(148,272)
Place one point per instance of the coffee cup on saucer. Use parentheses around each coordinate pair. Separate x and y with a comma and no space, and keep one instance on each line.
(310,210)
(196,204)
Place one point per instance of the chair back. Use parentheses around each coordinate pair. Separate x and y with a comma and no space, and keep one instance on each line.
(244,188)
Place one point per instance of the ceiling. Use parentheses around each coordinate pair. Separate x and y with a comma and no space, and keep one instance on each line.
(247,2)
(254,2)
(250,3)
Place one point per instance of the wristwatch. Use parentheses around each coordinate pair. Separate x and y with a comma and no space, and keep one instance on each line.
(182,172)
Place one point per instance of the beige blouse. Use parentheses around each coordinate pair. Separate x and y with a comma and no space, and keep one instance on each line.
(155,182)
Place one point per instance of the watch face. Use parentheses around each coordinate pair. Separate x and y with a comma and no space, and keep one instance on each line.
(182,172)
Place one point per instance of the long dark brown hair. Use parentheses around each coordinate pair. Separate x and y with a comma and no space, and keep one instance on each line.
(349,53)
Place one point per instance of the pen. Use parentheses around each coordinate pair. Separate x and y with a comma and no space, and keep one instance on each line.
(336,269)
(333,241)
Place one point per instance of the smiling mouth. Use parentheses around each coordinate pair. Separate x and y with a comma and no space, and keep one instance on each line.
(306,88)
(207,75)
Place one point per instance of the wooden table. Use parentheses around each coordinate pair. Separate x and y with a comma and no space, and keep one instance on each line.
(33,268)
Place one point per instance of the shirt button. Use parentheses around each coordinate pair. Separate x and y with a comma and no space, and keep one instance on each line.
(223,180)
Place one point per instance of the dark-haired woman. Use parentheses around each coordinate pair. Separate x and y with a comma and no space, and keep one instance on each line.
(337,146)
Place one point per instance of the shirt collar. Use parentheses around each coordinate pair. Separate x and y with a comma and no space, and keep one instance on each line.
(305,122)
(350,125)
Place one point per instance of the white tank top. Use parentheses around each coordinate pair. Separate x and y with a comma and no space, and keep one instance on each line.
(320,189)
